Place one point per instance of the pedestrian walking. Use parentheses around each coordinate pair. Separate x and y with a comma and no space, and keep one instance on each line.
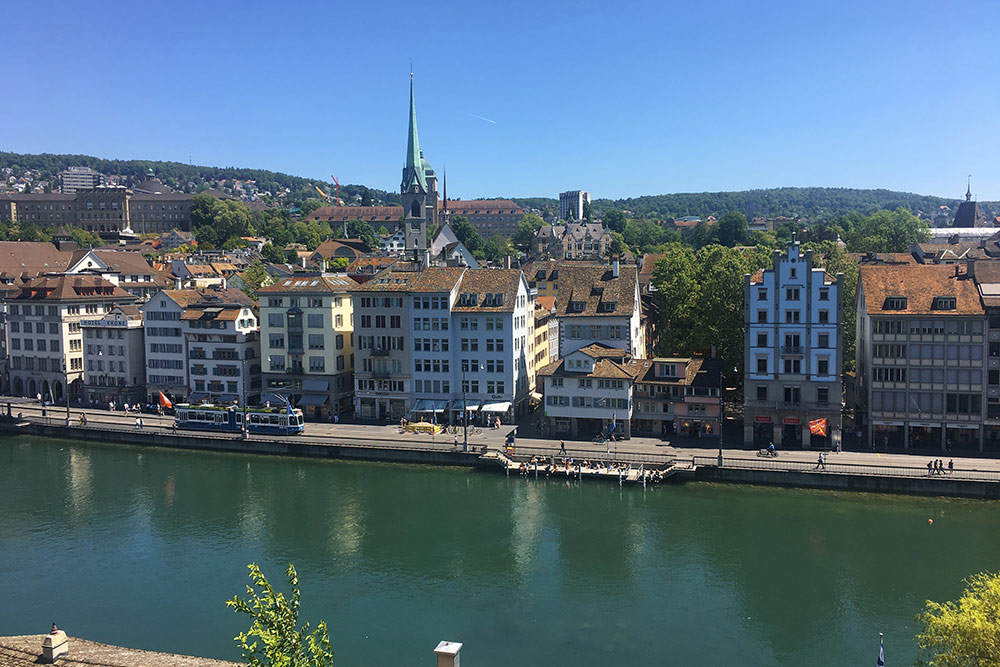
(930,468)
(138,423)
(336,418)
(820,462)
(562,446)
(951,465)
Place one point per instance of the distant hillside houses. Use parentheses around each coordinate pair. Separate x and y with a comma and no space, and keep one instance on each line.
(491,217)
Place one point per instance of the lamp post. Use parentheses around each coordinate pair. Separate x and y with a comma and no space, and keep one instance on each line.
(465,416)
(66,387)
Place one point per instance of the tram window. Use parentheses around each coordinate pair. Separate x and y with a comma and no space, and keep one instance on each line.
(239,418)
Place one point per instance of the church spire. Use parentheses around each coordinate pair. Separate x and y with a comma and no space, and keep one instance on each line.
(968,191)
(413,170)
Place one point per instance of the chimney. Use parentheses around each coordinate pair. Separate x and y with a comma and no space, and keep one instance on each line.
(55,644)
(614,268)
(447,654)
(970,267)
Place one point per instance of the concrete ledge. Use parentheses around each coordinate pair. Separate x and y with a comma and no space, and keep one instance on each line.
(199,441)
(925,486)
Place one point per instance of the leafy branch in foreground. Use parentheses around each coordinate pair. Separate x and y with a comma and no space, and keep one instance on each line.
(276,641)
(966,632)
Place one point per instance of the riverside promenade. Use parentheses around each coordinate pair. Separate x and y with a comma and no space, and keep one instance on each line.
(674,460)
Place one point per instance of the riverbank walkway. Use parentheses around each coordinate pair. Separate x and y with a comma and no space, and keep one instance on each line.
(679,456)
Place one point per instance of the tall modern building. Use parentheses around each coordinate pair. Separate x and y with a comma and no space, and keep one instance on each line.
(793,353)
(79,178)
(571,204)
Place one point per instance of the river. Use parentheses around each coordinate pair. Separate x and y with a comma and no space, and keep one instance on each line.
(141,547)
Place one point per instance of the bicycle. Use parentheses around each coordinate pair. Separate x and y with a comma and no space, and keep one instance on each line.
(475,431)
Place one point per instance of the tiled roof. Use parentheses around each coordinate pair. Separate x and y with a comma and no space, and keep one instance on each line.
(27,259)
(26,651)
(366,213)
(188,297)
(67,287)
(483,282)
(602,351)
(481,207)
(603,368)
(367,263)
(328,247)
(586,291)
(432,279)
(919,284)
(316,284)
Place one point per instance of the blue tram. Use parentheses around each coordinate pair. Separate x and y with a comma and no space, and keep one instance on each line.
(282,420)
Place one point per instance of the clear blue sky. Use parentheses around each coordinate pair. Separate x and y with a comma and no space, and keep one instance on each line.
(619,98)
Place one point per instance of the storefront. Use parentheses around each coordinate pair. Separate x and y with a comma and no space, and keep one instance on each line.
(791,432)
(925,436)
(497,409)
(888,435)
(430,410)
(962,438)
(763,431)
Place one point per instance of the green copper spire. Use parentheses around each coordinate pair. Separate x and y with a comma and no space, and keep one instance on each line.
(413,169)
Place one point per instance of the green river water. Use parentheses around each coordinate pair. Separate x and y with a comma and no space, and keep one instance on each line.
(141,547)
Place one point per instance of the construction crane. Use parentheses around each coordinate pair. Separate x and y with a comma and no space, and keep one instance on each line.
(340,202)
(322,194)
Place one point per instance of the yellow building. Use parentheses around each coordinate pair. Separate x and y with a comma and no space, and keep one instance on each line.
(305,343)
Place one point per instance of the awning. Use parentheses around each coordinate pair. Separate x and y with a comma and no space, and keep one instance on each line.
(310,400)
(196,397)
(536,396)
(471,407)
(228,398)
(316,385)
(430,405)
(503,406)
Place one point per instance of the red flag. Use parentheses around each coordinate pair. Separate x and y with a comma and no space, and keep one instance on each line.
(818,426)
(165,402)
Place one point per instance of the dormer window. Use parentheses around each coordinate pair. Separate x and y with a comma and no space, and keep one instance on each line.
(943,303)
(576,306)
(894,303)
(607,307)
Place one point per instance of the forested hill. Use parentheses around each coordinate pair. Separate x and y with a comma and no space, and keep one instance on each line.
(813,203)
(185,177)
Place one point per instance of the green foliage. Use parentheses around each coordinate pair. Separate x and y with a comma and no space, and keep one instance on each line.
(884,231)
(361,230)
(733,229)
(23,231)
(382,231)
(337,264)
(614,220)
(272,253)
(366,198)
(588,213)
(467,234)
(255,276)
(617,246)
(274,638)
(83,238)
(700,296)
(496,247)
(310,205)
(641,235)
(966,633)
(217,220)
(525,233)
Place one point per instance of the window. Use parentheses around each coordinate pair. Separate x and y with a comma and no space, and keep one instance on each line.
(823,340)
(761,392)
(762,365)
(823,366)
(824,294)
(824,317)
(792,316)
(761,316)
(894,303)
(793,366)
(792,395)
(340,341)
(276,341)
(275,319)
(791,293)
(943,303)
(316,341)
(823,395)
(762,293)
(317,364)
(394,321)
(314,320)
(761,340)
(315,302)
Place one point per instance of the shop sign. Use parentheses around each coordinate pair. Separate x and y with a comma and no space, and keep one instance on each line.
(791,421)
(763,420)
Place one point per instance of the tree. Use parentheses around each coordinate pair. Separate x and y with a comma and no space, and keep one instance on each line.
(467,233)
(361,230)
(496,247)
(337,264)
(614,220)
(617,247)
(254,276)
(966,632)
(733,229)
(274,638)
(83,238)
(310,205)
(366,197)
(272,253)
(884,231)
(525,234)
(588,214)
(382,231)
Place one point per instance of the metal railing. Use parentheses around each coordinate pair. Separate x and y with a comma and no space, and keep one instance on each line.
(786,465)
(578,455)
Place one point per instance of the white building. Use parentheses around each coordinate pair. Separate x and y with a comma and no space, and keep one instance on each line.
(423,337)
(45,336)
(114,357)
(793,342)
(223,348)
(588,390)
(571,204)
(600,304)
(395,243)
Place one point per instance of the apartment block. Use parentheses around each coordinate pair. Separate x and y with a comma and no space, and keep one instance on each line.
(928,360)
(571,204)
(114,357)
(679,396)
(307,348)
(793,353)
(599,304)
(45,336)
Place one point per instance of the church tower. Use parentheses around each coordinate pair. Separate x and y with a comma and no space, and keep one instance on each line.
(418,191)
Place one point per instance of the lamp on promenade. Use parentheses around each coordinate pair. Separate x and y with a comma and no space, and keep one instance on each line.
(65,388)
(465,416)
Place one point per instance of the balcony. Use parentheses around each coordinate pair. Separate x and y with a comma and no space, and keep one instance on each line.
(274,368)
(791,349)
(381,374)
(790,405)
(379,352)
(296,370)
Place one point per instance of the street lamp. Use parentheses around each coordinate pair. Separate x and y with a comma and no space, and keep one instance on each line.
(465,416)
(66,387)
